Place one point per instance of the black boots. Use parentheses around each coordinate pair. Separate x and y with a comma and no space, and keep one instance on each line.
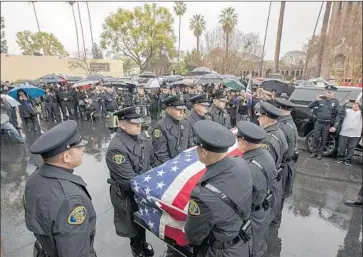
(141,248)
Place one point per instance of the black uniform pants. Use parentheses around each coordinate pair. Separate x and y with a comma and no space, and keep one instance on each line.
(75,109)
(321,134)
(66,106)
(53,111)
(346,147)
(31,123)
(82,110)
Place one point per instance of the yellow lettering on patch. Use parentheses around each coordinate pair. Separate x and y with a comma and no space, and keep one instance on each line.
(157,133)
(193,208)
(77,216)
(118,159)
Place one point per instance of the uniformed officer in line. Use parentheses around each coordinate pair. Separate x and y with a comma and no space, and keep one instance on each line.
(220,205)
(110,106)
(58,207)
(171,135)
(199,112)
(128,155)
(264,172)
(217,111)
(325,111)
(276,144)
(288,127)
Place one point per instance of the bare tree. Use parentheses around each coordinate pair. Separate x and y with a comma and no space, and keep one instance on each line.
(79,61)
(294,58)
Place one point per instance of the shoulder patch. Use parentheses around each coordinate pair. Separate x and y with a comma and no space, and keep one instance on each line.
(265,146)
(77,216)
(118,159)
(193,208)
(157,133)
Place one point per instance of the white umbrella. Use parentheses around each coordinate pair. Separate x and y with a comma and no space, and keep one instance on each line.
(85,83)
(153,83)
(10,100)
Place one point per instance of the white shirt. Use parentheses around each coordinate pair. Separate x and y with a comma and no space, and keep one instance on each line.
(352,124)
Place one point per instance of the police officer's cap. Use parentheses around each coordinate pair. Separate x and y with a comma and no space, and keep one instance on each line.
(200,99)
(250,132)
(58,139)
(175,101)
(212,136)
(284,103)
(131,114)
(269,110)
(220,95)
(331,88)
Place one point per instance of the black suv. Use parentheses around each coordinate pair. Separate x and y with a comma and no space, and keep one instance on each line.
(304,118)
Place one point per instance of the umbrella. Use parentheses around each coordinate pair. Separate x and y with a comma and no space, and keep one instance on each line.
(201,71)
(154,83)
(85,82)
(234,84)
(95,77)
(210,78)
(172,78)
(30,90)
(10,100)
(277,85)
(52,78)
(228,76)
(147,75)
(73,79)
(184,82)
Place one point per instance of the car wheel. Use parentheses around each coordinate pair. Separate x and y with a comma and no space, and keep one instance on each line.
(330,147)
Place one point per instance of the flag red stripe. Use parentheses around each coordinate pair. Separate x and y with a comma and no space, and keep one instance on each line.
(177,235)
(182,198)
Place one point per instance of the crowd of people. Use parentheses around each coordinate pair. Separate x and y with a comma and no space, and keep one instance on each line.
(266,135)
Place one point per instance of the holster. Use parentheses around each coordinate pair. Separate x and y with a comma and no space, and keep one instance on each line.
(268,201)
(279,174)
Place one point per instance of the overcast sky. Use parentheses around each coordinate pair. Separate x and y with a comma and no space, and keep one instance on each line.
(56,17)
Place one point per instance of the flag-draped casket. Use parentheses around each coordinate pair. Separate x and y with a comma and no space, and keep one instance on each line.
(163,193)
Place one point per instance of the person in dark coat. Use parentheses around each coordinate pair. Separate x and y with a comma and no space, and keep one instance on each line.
(28,111)
(52,106)
(128,155)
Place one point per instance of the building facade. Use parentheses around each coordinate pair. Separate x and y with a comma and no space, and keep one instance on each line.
(27,67)
(342,55)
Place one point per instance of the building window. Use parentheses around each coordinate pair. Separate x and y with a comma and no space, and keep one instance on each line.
(293,73)
(297,73)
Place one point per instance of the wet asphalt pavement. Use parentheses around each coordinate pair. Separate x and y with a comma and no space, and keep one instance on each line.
(315,221)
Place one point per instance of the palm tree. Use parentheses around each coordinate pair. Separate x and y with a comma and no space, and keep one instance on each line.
(90,27)
(197,25)
(279,35)
(80,22)
(180,8)
(35,13)
(228,19)
(71,3)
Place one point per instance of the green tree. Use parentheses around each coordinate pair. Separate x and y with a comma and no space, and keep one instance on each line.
(228,20)
(39,42)
(139,34)
(4,44)
(180,8)
(197,25)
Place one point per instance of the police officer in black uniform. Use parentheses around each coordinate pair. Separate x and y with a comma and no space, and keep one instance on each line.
(288,127)
(276,144)
(51,105)
(326,110)
(110,105)
(218,222)
(171,135)
(58,207)
(128,155)
(200,107)
(65,102)
(217,111)
(264,172)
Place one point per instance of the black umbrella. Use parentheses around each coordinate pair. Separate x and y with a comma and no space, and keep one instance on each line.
(172,78)
(147,75)
(277,85)
(73,79)
(210,78)
(201,71)
(95,77)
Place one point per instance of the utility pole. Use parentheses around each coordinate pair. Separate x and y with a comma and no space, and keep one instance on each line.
(324,29)
(279,35)
(264,41)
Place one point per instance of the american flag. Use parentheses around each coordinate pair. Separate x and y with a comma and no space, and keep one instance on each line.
(249,92)
(163,193)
